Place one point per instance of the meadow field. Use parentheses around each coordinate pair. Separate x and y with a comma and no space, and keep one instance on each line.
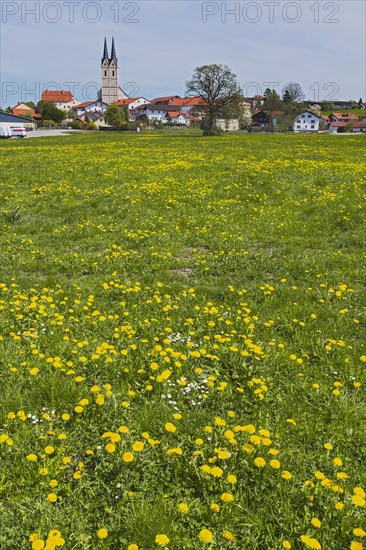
(182,342)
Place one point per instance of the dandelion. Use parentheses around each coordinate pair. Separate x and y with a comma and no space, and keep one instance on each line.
(52,497)
(132,547)
(138,446)
(205,536)
(170,427)
(102,533)
(286,474)
(183,508)
(38,544)
(316,522)
(32,457)
(310,542)
(127,457)
(275,464)
(356,545)
(162,540)
(259,462)
(286,544)
(359,532)
(227,497)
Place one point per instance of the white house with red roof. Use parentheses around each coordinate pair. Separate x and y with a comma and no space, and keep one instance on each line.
(62,99)
(90,107)
(306,122)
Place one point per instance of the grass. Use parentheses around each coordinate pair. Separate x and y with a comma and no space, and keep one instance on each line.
(212,284)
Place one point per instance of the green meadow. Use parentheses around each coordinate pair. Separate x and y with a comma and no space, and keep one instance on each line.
(182,342)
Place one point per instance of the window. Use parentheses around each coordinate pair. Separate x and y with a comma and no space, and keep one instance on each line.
(302,116)
(312,126)
(312,121)
(299,125)
(309,116)
(105,73)
(112,73)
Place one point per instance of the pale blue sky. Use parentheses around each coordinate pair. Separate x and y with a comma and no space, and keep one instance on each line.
(323,48)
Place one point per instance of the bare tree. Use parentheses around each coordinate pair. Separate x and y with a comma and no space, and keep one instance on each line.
(293,92)
(218,87)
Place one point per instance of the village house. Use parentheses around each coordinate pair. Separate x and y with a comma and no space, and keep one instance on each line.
(265,119)
(306,122)
(342,117)
(90,107)
(156,113)
(9,121)
(63,99)
(24,110)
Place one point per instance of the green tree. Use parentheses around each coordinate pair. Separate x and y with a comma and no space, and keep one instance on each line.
(217,85)
(49,111)
(116,117)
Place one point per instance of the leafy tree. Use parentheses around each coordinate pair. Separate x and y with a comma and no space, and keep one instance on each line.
(293,92)
(246,120)
(116,117)
(327,106)
(272,102)
(86,118)
(30,104)
(286,98)
(217,85)
(49,111)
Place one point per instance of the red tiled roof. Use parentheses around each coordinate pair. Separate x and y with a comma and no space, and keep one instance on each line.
(22,111)
(85,104)
(164,100)
(175,114)
(127,101)
(359,124)
(339,124)
(56,96)
(188,101)
(344,116)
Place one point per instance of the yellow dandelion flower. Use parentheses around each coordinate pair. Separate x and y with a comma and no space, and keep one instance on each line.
(205,536)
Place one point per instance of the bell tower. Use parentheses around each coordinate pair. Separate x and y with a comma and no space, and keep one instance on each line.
(111,90)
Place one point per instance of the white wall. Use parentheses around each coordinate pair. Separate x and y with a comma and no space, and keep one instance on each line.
(306,122)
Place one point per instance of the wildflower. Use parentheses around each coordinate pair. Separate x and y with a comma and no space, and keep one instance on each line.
(339,506)
(359,532)
(102,533)
(162,540)
(132,547)
(110,448)
(216,471)
(356,545)
(205,536)
(32,457)
(229,536)
(170,427)
(183,508)
(232,479)
(215,507)
(275,464)
(128,457)
(286,544)
(52,497)
(358,501)
(49,450)
(310,543)
(316,522)
(286,474)
(259,462)
(38,544)
(227,497)
(138,446)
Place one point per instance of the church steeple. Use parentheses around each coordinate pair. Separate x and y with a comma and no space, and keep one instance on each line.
(105,52)
(111,91)
(113,52)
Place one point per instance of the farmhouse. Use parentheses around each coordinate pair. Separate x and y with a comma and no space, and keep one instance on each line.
(265,119)
(306,122)
(342,117)
(62,99)
(24,110)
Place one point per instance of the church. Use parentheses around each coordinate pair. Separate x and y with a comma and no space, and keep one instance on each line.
(111,91)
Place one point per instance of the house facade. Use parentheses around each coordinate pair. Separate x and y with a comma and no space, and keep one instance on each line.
(62,99)
(306,122)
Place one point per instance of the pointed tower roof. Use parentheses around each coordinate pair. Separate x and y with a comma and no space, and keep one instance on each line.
(105,52)
(113,52)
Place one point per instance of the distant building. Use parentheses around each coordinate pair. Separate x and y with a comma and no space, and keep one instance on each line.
(8,121)
(306,122)
(22,109)
(110,91)
(343,117)
(231,125)
(62,99)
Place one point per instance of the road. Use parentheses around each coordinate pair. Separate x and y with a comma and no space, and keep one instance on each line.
(49,133)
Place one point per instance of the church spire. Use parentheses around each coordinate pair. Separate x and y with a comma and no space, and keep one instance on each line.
(113,52)
(105,52)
